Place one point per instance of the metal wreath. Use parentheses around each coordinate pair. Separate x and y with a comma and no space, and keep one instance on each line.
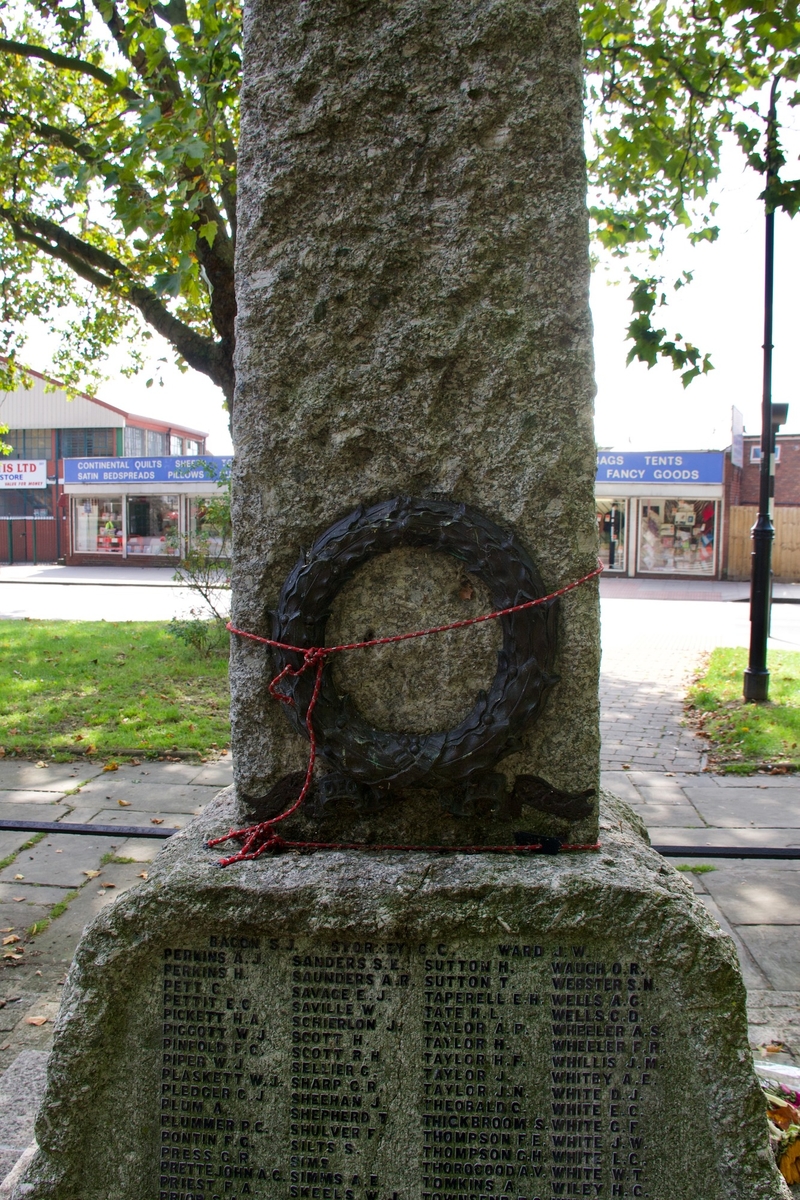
(346,740)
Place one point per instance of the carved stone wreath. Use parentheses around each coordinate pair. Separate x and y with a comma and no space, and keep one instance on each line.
(524,673)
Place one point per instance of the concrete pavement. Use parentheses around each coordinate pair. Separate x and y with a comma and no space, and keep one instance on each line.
(101,593)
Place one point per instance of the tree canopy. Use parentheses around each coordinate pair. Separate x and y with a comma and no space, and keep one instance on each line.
(118,129)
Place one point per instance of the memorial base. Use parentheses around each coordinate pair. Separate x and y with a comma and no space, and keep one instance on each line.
(407,1026)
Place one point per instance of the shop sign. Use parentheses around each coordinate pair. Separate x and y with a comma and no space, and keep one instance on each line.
(157,469)
(23,473)
(702,466)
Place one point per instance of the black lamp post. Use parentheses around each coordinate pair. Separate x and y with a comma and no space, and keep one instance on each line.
(756,676)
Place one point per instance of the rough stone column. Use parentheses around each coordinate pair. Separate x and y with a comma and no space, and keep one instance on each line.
(413,319)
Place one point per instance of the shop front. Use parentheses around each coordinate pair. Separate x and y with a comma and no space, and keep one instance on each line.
(138,511)
(660,514)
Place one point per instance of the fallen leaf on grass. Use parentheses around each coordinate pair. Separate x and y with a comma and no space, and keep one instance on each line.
(91,749)
(2,751)
(78,737)
(156,820)
(13,732)
(41,763)
(9,941)
(124,803)
(223,752)
(36,1020)
(111,766)
(136,762)
(91,874)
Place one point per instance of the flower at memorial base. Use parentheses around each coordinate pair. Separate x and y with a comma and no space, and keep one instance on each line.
(789,1160)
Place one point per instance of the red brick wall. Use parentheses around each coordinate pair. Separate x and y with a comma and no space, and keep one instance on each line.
(787,472)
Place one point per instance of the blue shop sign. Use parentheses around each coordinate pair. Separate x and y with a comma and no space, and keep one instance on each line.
(703,466)
(100,471)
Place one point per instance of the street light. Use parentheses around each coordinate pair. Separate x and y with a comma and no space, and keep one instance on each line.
(756,676)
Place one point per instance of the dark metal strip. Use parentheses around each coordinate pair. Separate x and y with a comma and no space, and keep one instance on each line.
(148,831)
(117,831)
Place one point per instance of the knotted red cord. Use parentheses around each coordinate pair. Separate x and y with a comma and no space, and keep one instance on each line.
(258,838)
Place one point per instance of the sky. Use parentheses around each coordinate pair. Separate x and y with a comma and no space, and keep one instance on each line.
(721,312)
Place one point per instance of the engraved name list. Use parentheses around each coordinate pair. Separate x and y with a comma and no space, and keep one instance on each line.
(357,1070)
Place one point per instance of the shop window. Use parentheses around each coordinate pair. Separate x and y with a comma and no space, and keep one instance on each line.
(611,528)
(134,442)
(192,448)
(204,534)
(26,502)
(676,537)
(153,525)
(98,525)
(30,443)
(87,443)
(175,446)
(156,442)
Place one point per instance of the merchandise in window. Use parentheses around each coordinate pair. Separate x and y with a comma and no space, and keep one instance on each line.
(676,537)
(98,525)
(611,529)
(153,525)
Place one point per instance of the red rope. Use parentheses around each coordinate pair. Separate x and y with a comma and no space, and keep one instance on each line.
(258,838)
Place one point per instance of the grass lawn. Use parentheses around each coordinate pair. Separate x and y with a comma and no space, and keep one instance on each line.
(108,688)
(743,738)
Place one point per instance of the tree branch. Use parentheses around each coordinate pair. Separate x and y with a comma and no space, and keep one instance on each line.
(108,274)
(137,58)
(67,63)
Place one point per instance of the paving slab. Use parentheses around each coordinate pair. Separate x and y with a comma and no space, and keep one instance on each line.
(748,806)
(750,894)
(21,1089)
(45,865)
(753,974)
(58,777)
(656,814)
(139,817)
(12,1009)
(139,850)
(777,951)
(50,810)
(725,836)
(40,896)
(12,802)
(673,793)
(151,797)
(216,774)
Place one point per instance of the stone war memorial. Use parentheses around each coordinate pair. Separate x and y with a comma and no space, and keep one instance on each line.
(414,953)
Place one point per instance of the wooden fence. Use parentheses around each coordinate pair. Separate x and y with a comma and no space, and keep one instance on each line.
(785,548)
